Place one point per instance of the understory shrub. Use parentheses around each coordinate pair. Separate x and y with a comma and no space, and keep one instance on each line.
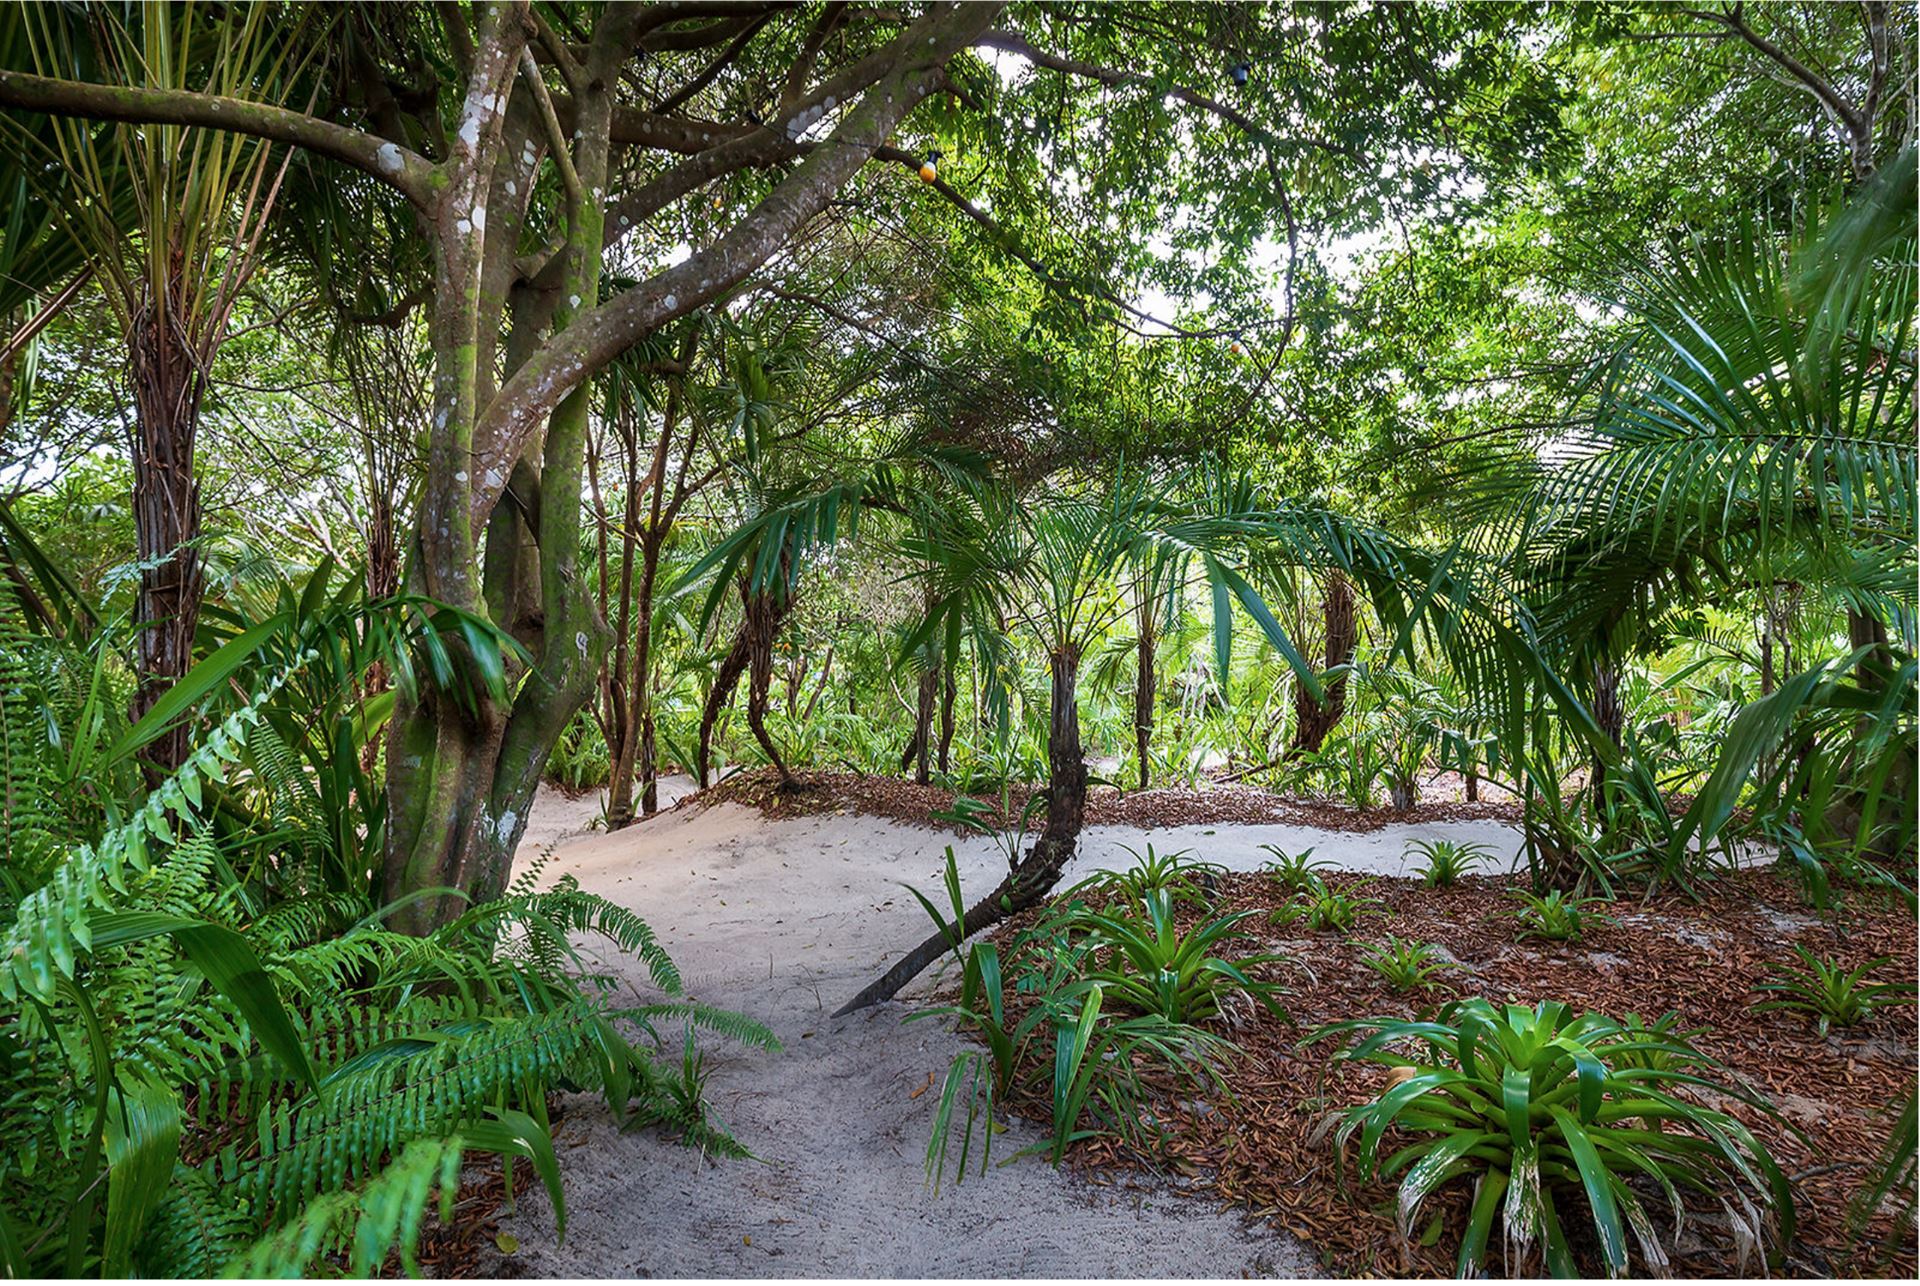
(213,1056)
(1834,995)
(1552,1116)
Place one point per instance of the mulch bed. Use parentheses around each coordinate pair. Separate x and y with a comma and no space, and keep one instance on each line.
(815,793)
(1254,1150)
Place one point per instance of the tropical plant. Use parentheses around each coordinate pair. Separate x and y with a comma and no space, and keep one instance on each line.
(1555,915)
(1145,961)
(1834,995)
(1098,1065)
(1553,1114)
(1294,871)
(1050,562)
(216,1052)
(1408,965)
(1186,881)
(1322,906)
(1444,861)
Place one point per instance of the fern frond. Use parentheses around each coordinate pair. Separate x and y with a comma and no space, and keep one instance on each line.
(366,1225)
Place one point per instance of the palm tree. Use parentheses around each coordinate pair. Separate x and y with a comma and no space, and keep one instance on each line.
(173,273)
(1757,430)
(1051,564)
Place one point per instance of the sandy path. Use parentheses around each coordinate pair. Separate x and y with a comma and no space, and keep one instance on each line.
(784,921)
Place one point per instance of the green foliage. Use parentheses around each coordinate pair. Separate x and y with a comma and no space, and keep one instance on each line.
(213,1055)
(1095,1070)
(1549,1114)
(1323,906)
(1834,995)
(1555,915)
(1294,871)
(1145,961)
(1408,965)
(1180,879)
(580,759)
(1444,861)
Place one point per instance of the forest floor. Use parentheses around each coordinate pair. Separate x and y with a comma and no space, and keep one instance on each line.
(783,905)
(783,919)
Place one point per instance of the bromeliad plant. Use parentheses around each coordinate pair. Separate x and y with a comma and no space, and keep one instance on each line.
(1096,1083)
(1446,860)
(1555,1116)
(1408,965)
(1173,874)
(1294,871)
(1833,994)
(1322,906)
(1146,962)
(1555,916)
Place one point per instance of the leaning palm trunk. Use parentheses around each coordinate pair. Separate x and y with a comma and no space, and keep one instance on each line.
(1033,876)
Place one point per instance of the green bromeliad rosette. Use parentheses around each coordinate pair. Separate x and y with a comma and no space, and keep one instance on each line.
(1548,1112)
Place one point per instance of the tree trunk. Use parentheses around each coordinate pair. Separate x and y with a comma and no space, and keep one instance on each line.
(1036,874)
(464,764)
(919,749)
(766,613)
(167,389)
(1145,680)
(1313,720)
(732,666)
(1607,712)
(761,617)
(949,692)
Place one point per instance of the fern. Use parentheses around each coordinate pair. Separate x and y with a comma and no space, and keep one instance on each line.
(365,1225)
(50,926)
(404,1089)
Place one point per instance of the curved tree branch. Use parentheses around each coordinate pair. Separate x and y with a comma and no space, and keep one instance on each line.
(400,168)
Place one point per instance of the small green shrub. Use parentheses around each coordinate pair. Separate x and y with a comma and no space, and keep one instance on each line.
(1322,907)
(1148,964)
(1408,965)
(1293,871)
(1556,916)
(1834,995)
(1097,1064)
(1446,860)
(1549,1114)
(1184,880)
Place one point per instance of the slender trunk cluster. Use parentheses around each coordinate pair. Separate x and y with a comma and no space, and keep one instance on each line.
(1608,712)
(1145,682)
(763,614)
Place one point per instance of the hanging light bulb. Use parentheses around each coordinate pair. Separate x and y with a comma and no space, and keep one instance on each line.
(930,168)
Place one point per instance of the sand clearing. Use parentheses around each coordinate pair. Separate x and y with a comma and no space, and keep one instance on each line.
(784,920)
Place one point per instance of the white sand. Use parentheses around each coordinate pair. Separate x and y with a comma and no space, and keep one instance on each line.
(784,921)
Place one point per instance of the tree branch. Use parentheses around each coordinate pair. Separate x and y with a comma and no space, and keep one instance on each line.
(1009,42)
(406,171)
(599,334)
